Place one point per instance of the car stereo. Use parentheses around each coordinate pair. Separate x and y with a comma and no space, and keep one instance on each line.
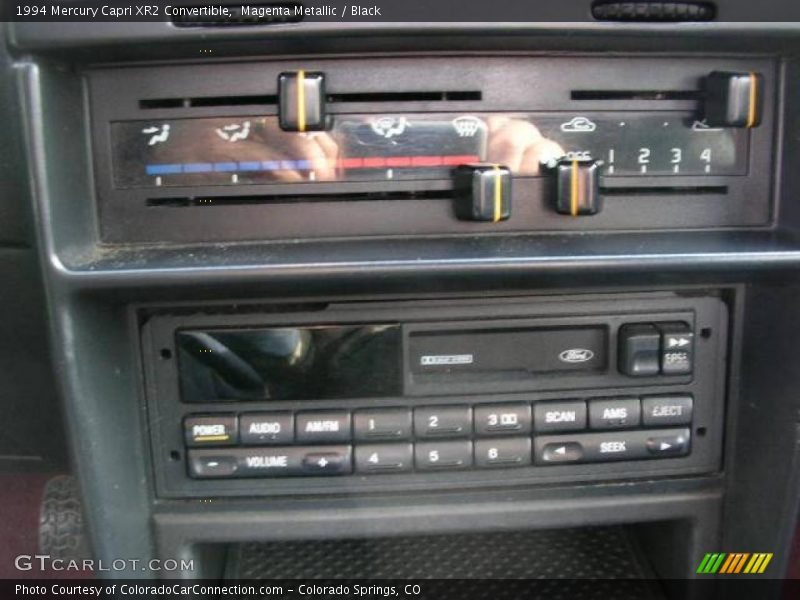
(363,396)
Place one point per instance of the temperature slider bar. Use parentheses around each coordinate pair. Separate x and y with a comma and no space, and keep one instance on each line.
(377,162)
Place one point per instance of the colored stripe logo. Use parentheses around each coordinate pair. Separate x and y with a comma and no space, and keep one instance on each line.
(734,563)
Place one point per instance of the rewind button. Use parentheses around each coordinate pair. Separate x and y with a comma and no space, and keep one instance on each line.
(562,452)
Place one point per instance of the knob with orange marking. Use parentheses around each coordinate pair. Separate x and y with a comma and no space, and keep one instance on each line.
(733,99)
(483,192)
(577,187)
(301,101)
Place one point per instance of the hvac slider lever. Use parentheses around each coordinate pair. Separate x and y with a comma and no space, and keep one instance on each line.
(301,101)
(577,187)
(733,99)
(482,192)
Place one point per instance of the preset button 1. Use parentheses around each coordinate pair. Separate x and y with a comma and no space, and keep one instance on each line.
(382,424)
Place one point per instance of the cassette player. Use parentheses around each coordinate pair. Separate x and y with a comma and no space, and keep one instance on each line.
(525,391)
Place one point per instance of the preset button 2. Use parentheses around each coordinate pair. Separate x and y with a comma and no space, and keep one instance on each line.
(442,421)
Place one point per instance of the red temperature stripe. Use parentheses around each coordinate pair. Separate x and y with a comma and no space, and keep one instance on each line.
(454,161)
(375,162)
(398,161)
(350,163)
(378,162)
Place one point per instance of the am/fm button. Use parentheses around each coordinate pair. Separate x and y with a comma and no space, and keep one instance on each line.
(323,426)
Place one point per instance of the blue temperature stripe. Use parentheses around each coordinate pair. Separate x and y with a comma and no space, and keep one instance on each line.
(227,167)
(163,169)
(198,167)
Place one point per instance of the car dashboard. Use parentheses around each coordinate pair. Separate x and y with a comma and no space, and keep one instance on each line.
(423,300)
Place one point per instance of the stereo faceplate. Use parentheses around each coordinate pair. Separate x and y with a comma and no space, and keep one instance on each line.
(454,420)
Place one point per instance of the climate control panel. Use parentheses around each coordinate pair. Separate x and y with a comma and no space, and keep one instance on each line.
(339,147)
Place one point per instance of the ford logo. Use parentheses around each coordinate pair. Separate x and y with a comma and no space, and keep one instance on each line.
(576,355)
